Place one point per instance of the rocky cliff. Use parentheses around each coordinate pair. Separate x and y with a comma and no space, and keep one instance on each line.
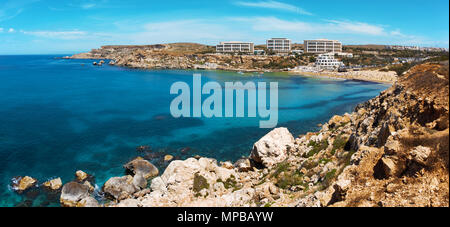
(392,151)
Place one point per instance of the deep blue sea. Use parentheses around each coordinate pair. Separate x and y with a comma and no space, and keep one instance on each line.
(58,116)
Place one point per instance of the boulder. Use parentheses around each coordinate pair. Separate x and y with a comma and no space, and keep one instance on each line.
(21,184)
(88,202)
(243,165)
(128,203)
(139,181)
(227,165)
(54,184)
(81,176)
(141,166)
(420,155)
(120,188)
(91,188)
(72,193)
(168,158)
(388,167)
(273,147)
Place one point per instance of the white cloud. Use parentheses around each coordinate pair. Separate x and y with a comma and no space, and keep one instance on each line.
(212,31)
(274,5)
(295,27)
(66,35)
(1,30)
(88,5)
(356,27)
(11,30)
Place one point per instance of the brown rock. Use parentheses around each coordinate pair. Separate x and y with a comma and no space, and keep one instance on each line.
(81,176)
(54,184)
(141,166)
(21,184)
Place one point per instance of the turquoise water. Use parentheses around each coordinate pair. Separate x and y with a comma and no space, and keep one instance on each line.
(58,116)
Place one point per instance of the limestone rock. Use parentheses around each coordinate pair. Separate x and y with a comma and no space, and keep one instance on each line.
(388,167)
(88,202)
(54,184)
(420,154)
(72,193)
(273,147)
(81,176)
(120,188)
(139,181)
(21,184)
(168,158)
(129,203)
(141,166)
(243,165)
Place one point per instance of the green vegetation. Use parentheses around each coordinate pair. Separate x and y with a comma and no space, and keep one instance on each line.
(328,178)
(324,161)
(348,157)
(338,144)
(309,164)
(316,147)
(441,58)
(289,179)
(200,183)
(230,183)
(281,167)
(399,68)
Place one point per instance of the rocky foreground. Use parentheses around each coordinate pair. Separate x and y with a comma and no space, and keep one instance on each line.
(392,151)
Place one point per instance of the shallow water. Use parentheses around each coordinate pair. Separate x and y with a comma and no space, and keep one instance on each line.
(58,116)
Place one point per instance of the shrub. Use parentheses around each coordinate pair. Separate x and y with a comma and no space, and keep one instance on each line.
(316,147)
(200,183)
(338,144)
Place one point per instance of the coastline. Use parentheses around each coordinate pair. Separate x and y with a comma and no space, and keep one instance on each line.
(331,75)
(390,80)
(318,169)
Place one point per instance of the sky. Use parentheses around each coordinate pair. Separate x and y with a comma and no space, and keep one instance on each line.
(67,27)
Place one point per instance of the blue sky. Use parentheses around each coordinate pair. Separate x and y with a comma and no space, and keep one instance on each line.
(64,27)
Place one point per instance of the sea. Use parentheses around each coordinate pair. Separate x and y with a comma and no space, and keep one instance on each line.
(59,115)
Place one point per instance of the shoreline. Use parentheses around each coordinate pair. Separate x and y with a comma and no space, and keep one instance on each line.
(331,75)
(319,75)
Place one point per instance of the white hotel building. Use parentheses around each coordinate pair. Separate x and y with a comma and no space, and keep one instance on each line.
(279,45)
(327,61)
(321,46)
(235,47)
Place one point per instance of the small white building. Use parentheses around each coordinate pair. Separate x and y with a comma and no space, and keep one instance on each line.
(327,61)
(343,54)
(235,47)
(279,45)
(259,52)
(299,52)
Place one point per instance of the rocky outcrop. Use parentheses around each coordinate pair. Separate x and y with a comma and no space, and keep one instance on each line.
(81,176)
(73,193)
(21,184)
(53,184)
(120,188)
(140,166)
(273,147)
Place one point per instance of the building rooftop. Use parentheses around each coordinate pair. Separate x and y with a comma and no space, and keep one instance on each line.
(234,42)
